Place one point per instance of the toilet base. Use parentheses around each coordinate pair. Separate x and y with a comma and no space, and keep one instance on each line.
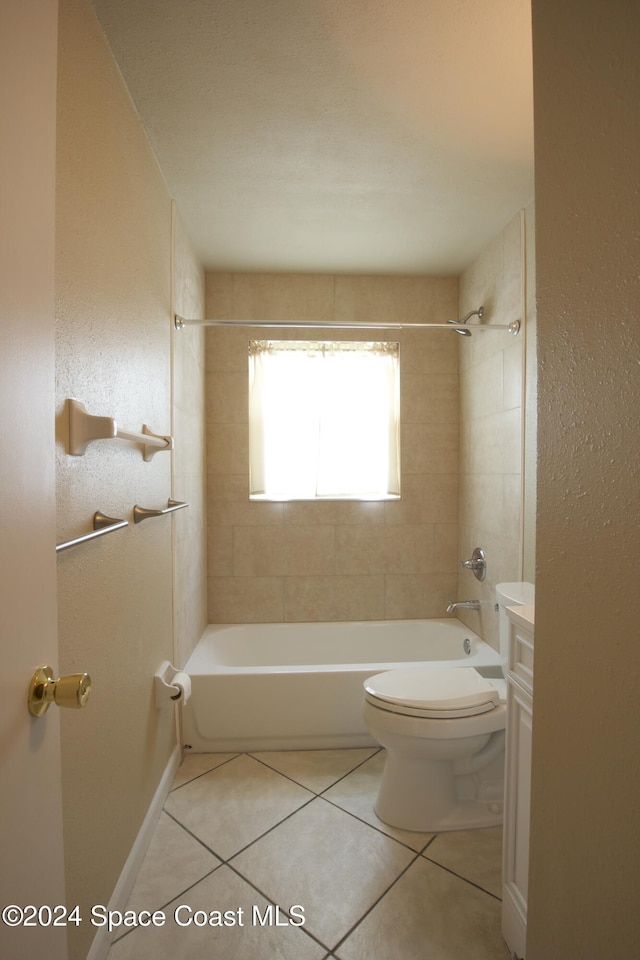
(464,815)
(428,797)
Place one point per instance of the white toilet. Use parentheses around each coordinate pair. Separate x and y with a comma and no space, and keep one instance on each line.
(443,730)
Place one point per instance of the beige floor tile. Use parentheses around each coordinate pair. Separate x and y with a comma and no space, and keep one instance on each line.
(357,794)
(319,852)
(475,855)
(332,864)
(432,914)
(195,764)
(173,862)
(222,891)
(315,769)
(234,804)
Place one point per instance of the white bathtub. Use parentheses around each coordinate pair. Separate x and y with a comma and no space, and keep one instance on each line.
(297,686)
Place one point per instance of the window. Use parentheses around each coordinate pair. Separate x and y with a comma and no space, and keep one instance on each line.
(324,420)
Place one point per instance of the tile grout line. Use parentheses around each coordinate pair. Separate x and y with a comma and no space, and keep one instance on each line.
(314,796)
(357,767)
(166,904)
(324,789)
(198,776)
(471,883)
(226,861)
(374,904)
(378,829)
(336,806)
(269,899)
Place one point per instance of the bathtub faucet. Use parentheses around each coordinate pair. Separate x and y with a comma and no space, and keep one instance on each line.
(463,605)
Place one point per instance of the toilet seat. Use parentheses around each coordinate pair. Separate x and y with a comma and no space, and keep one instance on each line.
(431,692)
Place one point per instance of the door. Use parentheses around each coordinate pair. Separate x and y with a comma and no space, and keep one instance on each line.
(31,851)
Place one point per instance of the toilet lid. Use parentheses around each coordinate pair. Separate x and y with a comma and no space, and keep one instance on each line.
(442,693)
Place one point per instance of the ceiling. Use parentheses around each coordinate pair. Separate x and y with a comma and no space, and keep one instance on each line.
(341,136)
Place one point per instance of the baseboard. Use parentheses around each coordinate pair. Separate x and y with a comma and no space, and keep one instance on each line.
(102,940)
(514,924)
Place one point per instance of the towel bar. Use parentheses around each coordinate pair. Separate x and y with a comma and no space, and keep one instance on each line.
(85,427)
(101,524)
(142,513)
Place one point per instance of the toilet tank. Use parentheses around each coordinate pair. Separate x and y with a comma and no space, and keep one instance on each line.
(519,593)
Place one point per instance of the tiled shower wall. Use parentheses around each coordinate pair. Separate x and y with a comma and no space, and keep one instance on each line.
(491,398)
(189,433)
(334,560)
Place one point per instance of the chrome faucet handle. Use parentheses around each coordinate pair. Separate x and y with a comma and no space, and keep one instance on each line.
(477,564)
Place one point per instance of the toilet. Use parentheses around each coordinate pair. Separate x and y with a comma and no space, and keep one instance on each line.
(444,733)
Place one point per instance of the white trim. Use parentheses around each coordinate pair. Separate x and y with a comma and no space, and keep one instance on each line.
(102,940)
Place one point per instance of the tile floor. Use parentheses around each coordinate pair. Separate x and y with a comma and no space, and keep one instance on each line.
(250,845)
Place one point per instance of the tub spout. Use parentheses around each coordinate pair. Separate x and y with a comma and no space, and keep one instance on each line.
(463,605)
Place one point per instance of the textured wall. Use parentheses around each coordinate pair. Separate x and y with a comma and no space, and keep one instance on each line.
(113,353)
(585,830)
(491,426)
(334,560)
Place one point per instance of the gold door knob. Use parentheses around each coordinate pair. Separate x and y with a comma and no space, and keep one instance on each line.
(70,691)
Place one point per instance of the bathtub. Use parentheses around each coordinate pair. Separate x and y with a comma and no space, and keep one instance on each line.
(298,686)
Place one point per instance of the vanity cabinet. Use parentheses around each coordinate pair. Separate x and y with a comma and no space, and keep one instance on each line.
(515,866)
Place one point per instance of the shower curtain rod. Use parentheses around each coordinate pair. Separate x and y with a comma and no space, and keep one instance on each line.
(181,323)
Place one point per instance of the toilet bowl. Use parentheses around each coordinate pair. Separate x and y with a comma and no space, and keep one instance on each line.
(443,730)
(444,733)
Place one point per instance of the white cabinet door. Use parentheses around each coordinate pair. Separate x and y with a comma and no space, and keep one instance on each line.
(517,818)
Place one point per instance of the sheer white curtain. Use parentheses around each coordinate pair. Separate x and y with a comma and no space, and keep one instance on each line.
(324,420)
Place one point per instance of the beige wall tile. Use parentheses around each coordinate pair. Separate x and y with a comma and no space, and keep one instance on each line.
(409,549)
(227,397)
(360,549)
(229,504)
(513,376)
(303,512)
(220,551)
(512,503)
(481,502)
(364,511)
(408,299)
(246,600)
(481,387)
(429,398)
(429,448)
(426,498)
(218,296)
(258,551)
(445,546)
(492,444)
(283,297)
(227,448)
(430,352)
(283,550)
(334,598)
(417,596)
(228,348)
(491,427)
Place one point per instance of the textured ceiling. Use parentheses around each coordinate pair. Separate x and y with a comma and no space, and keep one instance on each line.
(351,136)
